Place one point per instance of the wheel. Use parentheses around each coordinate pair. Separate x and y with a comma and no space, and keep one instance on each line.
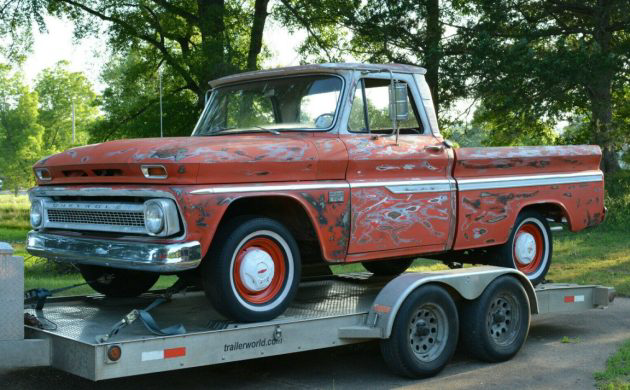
(116,282)
(529,247)
(424,335)
(387,267)
(497,322)
(253,272)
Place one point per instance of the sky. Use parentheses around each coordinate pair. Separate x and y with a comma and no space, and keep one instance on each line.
(90,54)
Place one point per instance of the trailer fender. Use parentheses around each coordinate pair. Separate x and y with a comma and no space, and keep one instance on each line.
(469,283)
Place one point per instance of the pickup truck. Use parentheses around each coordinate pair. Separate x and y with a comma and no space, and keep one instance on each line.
(290,170)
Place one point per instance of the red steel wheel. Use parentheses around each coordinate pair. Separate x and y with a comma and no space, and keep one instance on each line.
(259,270)
(253,269)
(529,247)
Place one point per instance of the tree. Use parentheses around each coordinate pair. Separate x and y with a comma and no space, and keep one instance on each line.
(21,137)
(406,31)
(191,41)
(57,90)
(551,59)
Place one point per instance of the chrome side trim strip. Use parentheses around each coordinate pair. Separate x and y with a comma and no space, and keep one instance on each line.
(395,186)
(527,181)
(400,183)
(270,187)
(419,188)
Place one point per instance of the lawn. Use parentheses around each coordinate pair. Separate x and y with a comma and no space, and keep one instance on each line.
(617,373)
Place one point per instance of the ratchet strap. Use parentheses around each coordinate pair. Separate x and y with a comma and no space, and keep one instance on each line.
(147,319)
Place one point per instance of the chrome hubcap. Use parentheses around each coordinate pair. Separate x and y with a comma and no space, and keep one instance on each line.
(256,270)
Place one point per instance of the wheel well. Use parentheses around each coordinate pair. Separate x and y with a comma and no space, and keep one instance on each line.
(285,210)
(552,211)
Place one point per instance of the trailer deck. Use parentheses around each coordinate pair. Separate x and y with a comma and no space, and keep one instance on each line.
(312,322)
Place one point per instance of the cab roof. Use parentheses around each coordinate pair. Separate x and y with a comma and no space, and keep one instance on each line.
(314,68)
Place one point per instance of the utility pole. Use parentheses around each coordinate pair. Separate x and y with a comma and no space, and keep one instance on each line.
(161,124)
(73,128)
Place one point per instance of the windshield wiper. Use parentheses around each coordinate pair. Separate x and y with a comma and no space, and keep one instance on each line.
(272,131)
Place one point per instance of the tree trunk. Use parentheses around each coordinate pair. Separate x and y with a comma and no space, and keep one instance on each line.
(212,28)
(433,50)
(256,35)
(600,89)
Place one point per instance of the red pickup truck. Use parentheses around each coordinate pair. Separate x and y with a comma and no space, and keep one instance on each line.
(294,168)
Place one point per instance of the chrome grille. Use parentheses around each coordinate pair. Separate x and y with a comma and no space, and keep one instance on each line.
(113,218)
(118,217)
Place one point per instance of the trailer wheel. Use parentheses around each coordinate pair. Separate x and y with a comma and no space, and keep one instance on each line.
(497,321)
(387,267)
(529,247)
(116,282)
(253,272)
(424,335)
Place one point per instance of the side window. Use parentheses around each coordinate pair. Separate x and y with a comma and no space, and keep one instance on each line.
(373,95)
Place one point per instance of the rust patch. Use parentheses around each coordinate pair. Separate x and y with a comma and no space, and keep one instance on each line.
(319,205)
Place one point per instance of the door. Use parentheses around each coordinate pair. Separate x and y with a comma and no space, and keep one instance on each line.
(401,192)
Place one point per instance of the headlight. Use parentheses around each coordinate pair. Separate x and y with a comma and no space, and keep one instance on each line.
(37,212)
(153,217)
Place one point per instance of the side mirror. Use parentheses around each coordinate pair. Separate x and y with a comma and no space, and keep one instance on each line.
(398,106)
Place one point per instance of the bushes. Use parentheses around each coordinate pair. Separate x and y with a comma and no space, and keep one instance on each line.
(617,201)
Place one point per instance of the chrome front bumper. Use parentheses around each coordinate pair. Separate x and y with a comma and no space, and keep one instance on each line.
(116,254)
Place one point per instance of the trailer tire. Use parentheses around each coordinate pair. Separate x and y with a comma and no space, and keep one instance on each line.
(124,283)
(424,334)
(529,248)
(387,267)
(253,271)
(497,321)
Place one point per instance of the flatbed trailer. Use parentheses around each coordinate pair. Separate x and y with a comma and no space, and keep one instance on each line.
(337,310)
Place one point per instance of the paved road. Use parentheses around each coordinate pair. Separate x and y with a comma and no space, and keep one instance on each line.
(543,363)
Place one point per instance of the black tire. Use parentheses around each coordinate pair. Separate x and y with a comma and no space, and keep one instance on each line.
(387,267)
(116,282)
(532,224)
(252,242)
(411,350)
(497,322)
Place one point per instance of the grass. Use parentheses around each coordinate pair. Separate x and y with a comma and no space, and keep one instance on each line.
(616,376)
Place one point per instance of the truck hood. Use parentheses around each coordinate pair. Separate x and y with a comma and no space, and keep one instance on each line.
(242,158)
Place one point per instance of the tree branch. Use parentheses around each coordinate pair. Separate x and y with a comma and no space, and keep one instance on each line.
(146,38)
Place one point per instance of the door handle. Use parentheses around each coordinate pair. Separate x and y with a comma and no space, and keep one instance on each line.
(434,148)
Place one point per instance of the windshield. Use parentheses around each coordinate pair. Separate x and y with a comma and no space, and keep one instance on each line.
(292,103)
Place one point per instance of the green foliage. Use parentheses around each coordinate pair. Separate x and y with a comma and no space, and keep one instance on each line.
(192,42)
(513,128)
(539,62)
(618,200)
(407,31)
(131,102)
(21,137)
(57,89)
(617,373)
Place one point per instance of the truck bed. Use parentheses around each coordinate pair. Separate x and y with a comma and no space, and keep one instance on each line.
(495,184)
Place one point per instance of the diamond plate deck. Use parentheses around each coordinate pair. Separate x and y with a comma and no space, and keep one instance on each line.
(85,318)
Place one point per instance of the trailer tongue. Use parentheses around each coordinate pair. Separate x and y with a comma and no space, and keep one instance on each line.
(334,311)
